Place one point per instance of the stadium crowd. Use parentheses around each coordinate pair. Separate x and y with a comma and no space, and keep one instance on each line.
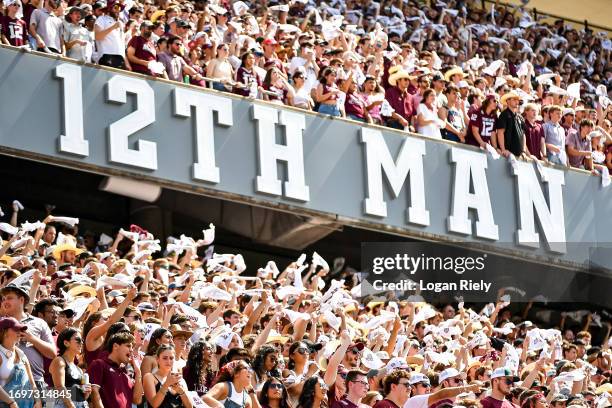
(122,322)
(453,69)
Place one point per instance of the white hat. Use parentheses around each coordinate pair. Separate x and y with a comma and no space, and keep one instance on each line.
(416,378)
(503,372)
(448,373)
(395,363)
(371,360)
(568,111)
(463,84)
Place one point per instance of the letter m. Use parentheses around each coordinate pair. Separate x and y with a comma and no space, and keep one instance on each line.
(409,161)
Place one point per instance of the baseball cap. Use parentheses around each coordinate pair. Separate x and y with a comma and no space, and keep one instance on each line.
(21,291)
(12,323)
(146,307)
(360,346)
(568,111)
(12,2)
(437,77)
(463,84)
(372,373)
(182,24)
(449,373)
(69,313)
(270,41)
(559,398)
(503,372)
(417,378)
(312,346)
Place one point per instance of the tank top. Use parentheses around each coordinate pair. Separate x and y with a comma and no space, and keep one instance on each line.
(73,378)
(234,398)
(8,363)
(170,400)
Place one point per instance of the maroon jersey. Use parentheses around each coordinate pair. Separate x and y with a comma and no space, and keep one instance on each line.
(485,124)
(144,50)
(14,29)
(245,77)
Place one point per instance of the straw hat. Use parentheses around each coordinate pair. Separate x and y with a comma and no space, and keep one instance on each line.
(400,74)
(509,95)
(65,243)
(454,71)
(178,331)
(82,289)
(157,14)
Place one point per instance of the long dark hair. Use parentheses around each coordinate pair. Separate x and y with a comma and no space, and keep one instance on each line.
(65,335)
(259,362)
(263,397)
(323,76)
(195,365)
(91,321)
(307,395)
(229,371)
(113,329)
(153,346)
(294,346)
(486,103)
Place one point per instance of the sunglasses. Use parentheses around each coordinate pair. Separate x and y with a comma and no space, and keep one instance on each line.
(277,386)
(355,350)
(364,383)
(405,384)
(342,375)
(508,381)
(323,386)
(303,350)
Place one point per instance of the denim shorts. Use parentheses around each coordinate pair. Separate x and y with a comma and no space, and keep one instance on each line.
(331,110)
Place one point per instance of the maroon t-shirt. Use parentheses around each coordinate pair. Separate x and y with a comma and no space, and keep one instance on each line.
(14,29)
(343,403)
(145,50)
(400,102)
(116,387)
(441,402)
(28,9)
(490,402)
(385,403)
(244,76)
(534,135)
(485,124)
(355,104)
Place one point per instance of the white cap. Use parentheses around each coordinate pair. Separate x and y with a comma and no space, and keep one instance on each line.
(463,84)
(448,373)
(503,372)
(416,378)
(568,111)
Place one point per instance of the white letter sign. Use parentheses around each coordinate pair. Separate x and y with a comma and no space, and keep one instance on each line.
(409,160)
(530,196)
(292,152)
(205,167)
(145,155)
(471,165)
(73,141)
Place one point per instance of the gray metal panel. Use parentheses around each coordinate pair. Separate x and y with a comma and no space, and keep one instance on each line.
(31,120)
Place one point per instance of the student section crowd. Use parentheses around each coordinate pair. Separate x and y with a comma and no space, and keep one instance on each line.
(121,321)
(454,69)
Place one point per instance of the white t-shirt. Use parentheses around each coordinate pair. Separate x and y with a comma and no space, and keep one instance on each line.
(114,42)
(310,77)
(432,129)
(418,401)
